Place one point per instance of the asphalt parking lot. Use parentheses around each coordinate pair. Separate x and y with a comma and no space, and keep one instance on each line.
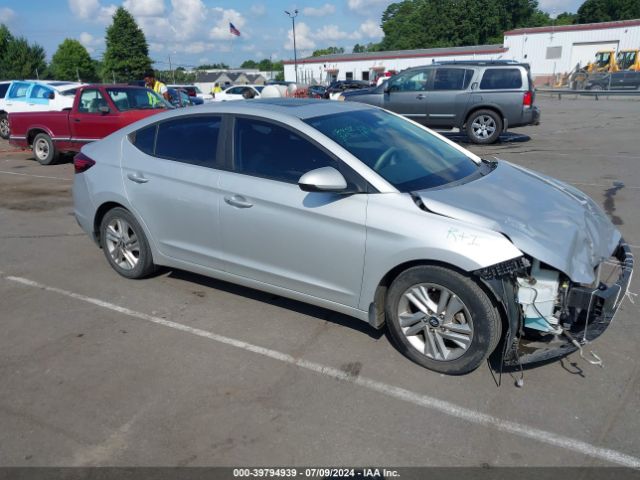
(184,370)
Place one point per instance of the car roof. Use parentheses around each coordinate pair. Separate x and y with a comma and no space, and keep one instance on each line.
(276,108)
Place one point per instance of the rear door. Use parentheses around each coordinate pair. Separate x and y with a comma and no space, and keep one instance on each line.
(503,87)
(171,179)
(406,94)
(38,100)
(448,96)
(273,232)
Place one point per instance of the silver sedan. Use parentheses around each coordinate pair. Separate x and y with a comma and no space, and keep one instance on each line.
(358,210)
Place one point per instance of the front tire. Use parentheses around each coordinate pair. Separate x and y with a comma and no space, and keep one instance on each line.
(5,130)
(484,127)
(441,319)
(44,150)
(125,245)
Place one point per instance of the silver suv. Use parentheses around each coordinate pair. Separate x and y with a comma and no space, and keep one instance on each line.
(484,98)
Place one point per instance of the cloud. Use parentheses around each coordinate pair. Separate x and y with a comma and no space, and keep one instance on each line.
(6,15)
(90,42)
(364,6)
(304,40)
(144,8)
(326,9)
(258,10)
(92,10)
(223,18)
(370,29)
(331,32)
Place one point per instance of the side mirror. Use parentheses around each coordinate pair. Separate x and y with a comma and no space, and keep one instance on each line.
(103,109)
(51,96)
(325,179)
(474,86)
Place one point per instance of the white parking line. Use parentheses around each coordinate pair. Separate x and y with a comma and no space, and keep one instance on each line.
(408,396)
(36,176)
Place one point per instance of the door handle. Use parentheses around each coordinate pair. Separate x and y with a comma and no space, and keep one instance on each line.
(420,96)
(76,119)
(238,201)
(137,178)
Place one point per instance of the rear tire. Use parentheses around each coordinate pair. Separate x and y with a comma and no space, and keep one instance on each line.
(4,126)
(125,245)
(44,150)
(484,127)
(442,319)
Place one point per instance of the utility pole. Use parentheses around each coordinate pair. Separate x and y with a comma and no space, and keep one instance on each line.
(37,75)
(173,74)
(78,75)
(293,16)
(113,74)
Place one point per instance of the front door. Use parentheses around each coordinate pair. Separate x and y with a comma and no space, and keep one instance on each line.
(274,232)
(172,185)
(90,121)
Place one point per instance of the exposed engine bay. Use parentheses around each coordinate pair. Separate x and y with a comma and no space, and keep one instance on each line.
(551,316)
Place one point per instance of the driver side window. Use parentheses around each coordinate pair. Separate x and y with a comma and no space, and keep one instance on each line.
(414,81)
(266,150)
(91,101)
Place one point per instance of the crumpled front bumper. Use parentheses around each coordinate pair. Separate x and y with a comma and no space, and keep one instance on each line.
(598,307)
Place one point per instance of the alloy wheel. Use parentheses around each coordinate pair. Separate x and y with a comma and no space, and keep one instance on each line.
(483,126)
(435,321)
(122,244)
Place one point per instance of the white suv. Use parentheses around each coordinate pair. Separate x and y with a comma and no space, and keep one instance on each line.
(35,96)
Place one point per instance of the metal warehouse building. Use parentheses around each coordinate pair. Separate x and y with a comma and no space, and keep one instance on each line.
(549,51)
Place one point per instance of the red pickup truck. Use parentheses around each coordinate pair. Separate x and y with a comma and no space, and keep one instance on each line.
(98,110)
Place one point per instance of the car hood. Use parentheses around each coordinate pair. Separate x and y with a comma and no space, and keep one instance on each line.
(359,91)
(543,217)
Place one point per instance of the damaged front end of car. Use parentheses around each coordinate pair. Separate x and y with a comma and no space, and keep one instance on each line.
(549,315)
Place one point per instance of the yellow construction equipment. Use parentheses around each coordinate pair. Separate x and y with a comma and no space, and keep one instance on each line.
(628,60)
(605,61)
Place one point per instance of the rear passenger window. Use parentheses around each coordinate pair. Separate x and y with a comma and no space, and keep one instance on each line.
(501,78)
(191,140)
(3,89)
(452,79)
(144,139)
(266,150)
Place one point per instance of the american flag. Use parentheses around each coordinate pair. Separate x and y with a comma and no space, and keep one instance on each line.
(233,30)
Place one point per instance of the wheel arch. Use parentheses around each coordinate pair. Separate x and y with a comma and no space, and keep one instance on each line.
(377,309)
(478,107)
(32,133)
(99,215)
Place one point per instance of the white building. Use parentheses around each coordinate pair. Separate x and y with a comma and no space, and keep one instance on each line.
(556,50)
(549,51)
(366,66)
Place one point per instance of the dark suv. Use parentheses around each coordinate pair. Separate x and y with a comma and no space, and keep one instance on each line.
(484,98)
(345,85)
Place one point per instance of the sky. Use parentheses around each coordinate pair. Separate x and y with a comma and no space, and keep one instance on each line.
(194,32)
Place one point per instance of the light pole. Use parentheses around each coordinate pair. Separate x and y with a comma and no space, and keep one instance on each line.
(293,16)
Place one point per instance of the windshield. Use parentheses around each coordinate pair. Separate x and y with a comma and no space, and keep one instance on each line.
(602,59)
(259,89)
(136,99)
(402,153)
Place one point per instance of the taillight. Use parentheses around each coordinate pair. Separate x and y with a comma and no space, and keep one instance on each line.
(527,100)
(82,163)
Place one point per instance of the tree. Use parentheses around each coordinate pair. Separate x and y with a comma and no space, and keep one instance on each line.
(249,64)
(566,18)
(213,66)
(71,61)
(592,11)
(445,23)
(327,51)
(127,55)
(19,59)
